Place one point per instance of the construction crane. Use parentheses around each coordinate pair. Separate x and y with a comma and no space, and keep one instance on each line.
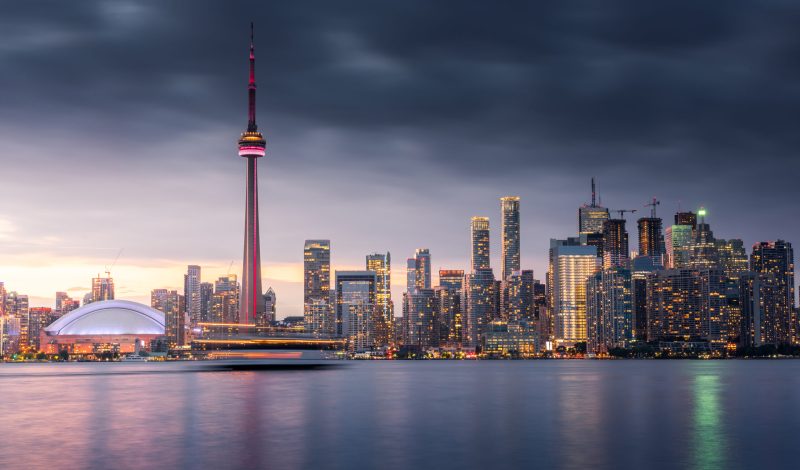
(622,212)
(652,206)
(108,270)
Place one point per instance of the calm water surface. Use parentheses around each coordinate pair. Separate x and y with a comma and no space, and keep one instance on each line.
(489,414)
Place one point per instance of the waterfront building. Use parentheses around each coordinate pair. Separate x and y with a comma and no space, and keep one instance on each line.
(319,318)
(760,301)
(510,339)
(777,258)
(38,319)
(571,267)
(510,239)
(104,326)
(225,301)
(270,309)
(518,294)
(449,293)
(316,270)
(703,253)
(356,308)
(381,265)
(317,286)
(422,315)
(609,310)
(168,302)
(479,302)
(191,293)
(687,305)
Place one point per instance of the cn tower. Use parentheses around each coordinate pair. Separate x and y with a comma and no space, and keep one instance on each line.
(252,146)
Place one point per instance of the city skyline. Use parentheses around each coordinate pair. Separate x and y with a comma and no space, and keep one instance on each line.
(50,246)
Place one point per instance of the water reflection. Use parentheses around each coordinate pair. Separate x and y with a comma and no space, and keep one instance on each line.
(709,446)
(541,414)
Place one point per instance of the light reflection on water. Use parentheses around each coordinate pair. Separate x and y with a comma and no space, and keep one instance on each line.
(537,414)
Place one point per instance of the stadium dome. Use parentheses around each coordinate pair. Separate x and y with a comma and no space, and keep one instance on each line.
(109,317)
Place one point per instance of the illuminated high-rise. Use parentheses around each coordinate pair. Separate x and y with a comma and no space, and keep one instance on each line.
(479,228)
(651,239)
(191,292)
(572,266)
(356,308)
(518,296)
(510,239)
(411,274)
(777,258)
(609,310)
(422,268)
(316,269)
(252,146)
(449,298)
(615,244)
(678,243)
(703,249)
(592,216)
(225,301)
(168,302)
(381,265)
(102,288)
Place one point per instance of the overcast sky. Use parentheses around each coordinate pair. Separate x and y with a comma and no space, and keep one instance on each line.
(389,124)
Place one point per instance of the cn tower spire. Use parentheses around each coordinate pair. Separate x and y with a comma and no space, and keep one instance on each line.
(251,87)
(252,146)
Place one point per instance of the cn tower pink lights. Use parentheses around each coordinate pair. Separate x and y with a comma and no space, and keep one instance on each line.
(251,146)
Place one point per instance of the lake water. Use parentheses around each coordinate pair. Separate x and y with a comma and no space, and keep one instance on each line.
(426,414)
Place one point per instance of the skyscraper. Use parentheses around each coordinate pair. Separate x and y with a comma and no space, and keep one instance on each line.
(519,296)
(651,239)
(592,216)
(102,288)
(421,313)
(449,298)
(381,265)
(191,292)
(572,266)
(678,242)
(777,258)
(411,274)
(703,249)
(609,309)
(168,302)
(355,308)
(206,296)
(225,302)
(686,218)
(316,270)
(510,241)
(270,308)
(615,244)
(422,268)
(252,146)
(480,243)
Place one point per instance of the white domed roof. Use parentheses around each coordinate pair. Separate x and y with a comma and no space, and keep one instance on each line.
(109,317)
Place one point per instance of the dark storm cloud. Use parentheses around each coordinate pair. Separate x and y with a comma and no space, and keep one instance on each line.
(596,80)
